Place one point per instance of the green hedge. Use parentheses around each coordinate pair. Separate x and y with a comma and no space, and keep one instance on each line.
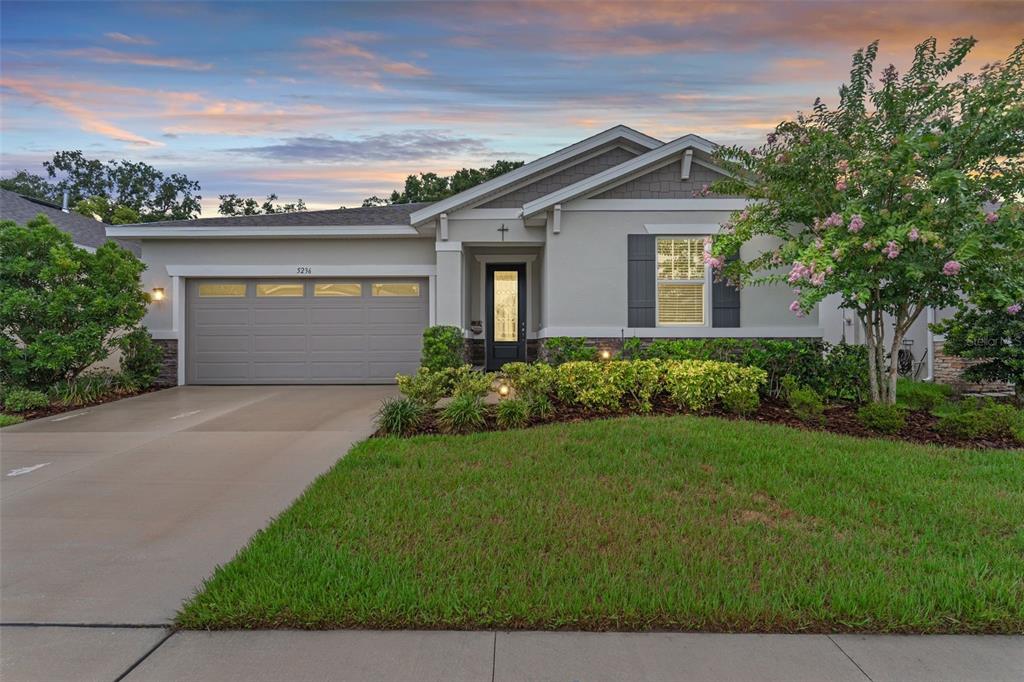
(635,385)
(835,371)
(443,348)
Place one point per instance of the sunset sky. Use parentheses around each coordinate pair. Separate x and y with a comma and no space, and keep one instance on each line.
(332,101)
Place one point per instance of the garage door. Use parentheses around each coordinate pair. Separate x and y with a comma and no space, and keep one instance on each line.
(277,331)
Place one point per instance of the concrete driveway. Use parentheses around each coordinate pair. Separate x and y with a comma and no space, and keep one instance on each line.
(113,515)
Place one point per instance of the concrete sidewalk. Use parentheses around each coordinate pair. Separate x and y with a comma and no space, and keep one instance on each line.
(421,656)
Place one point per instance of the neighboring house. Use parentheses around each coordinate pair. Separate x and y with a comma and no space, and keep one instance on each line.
(85,232)
(602,239)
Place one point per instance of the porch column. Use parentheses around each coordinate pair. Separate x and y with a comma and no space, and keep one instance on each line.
(448,295)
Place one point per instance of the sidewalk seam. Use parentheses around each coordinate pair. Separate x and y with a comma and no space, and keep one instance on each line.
(86,625)
(494,654)
(143,657)
(850,657)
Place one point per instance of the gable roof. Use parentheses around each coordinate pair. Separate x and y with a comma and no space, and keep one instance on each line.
(609,177)
(84,231)
(544,163)
(373,220)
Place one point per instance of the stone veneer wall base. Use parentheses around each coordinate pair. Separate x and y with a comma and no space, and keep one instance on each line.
(169,371)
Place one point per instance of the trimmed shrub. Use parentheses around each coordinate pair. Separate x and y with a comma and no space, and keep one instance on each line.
(559,350)
(981,418)
(399,416)
(19,399)
(530,380)
(443,348)
(699,384)
(141,358)
(741,402)
(803,358)
(846,373)
(465,380)
(513,413)
(921,395)
(589,385)
(883,418)
(805,402)
(463,414)
(425,387)
(640,380)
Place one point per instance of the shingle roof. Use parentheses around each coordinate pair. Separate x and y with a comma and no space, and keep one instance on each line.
(394,214)
(84,231)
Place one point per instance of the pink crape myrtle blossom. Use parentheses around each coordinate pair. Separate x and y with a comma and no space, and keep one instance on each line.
(1014,308)
(914,234)
(951,268)
(891,250)
(837,254)
(991,217)
(799,272)
(834,220)
(856,223)
(795,308)
(818,278)
(841,185)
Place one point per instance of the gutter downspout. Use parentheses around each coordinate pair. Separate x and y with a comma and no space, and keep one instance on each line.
(930,318)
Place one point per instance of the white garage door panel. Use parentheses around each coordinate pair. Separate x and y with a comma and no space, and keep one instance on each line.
(307,339)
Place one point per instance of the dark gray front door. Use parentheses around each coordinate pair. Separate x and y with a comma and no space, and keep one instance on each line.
(304,331)
(506,314)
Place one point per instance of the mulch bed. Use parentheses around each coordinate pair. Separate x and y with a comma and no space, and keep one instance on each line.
(55,409)
(921,426)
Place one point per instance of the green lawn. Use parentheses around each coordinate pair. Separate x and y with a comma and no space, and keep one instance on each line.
(9,419)
(662,522)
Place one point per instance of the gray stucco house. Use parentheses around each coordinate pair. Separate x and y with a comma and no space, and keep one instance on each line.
(602,239)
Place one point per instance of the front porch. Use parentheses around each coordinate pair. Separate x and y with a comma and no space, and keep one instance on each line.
(493,293)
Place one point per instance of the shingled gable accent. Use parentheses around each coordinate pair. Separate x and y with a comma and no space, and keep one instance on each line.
(623,172)
(535,168)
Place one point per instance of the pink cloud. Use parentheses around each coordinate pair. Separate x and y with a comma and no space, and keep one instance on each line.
(118,37)
(87,120)
(107,56)
(343,57)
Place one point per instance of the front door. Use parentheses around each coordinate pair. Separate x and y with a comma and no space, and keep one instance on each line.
(506,314)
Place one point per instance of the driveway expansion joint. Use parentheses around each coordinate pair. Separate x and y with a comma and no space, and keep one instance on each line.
(850,657)
(112,626)
(144,656)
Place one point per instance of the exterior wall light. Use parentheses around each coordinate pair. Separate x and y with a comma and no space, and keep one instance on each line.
(158,294)
(605,354)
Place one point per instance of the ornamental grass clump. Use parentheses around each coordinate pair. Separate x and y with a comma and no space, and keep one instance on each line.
(463,414)
(400,416)
(513,413)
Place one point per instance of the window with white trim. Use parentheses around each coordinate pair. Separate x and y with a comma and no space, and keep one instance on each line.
(682,281)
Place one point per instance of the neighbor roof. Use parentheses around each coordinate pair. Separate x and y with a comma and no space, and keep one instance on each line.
(393,214)
(84,231)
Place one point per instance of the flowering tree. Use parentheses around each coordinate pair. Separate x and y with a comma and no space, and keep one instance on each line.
(890,200)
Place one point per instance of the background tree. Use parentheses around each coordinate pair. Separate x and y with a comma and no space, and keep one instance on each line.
(434,187)
(883,200)
(134,184)
(107,211)
(989,327)
(61,307)
(138,187)
(232,204)
(29,185)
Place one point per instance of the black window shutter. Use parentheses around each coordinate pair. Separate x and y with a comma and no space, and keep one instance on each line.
(725,303)
(641,280)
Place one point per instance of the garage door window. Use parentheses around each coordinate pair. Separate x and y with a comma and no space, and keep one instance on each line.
(338,289)
(284,289)
(222,290)
(396,289)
